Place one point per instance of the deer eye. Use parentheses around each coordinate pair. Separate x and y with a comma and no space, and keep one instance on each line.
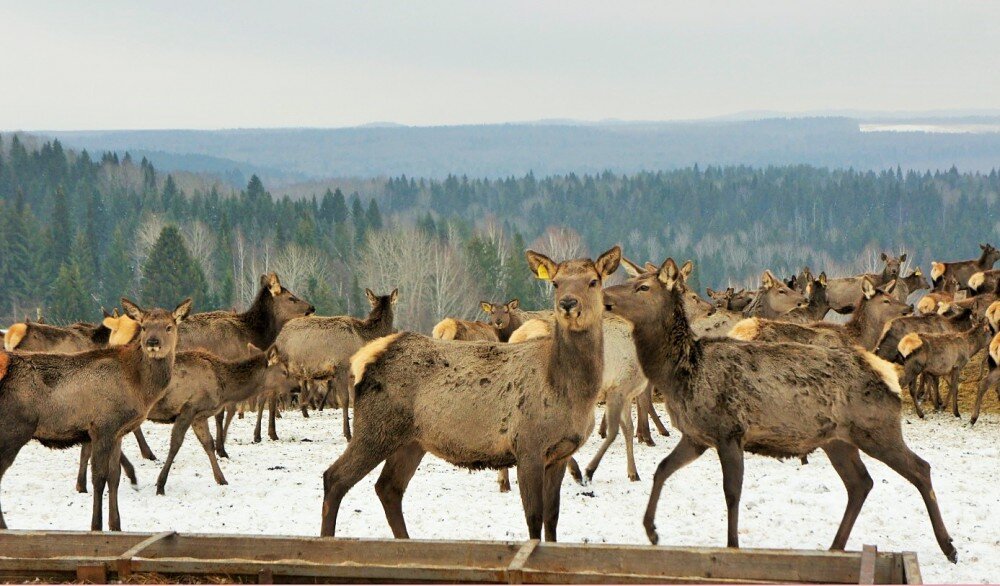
(782,292)
(555,285)
(170,328)
(593,283)
(642,288)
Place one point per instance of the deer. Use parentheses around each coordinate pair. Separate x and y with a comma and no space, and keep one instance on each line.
(992,378)
(915,281)
(940,298)
(226,334)
(941,355)
(730,299)
(817,302)
(201,386)
(63,400)
(798,282)
(503,320)
(774,298)
(320,347)
(984,281)
(877,307)
(963,270)
(735,396)
(113,330)
(415,394)
(845,292)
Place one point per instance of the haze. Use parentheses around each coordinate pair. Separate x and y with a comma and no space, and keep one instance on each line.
(187,64)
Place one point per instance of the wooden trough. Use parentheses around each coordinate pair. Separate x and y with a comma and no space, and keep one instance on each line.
(100,557)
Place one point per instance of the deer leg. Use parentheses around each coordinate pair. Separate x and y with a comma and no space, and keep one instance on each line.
(731,457)
(353,465)
(343,385)
(99,460)
(574,470)
(219,433)
(9,448)
(953,392)
(201,431)
(391,484)
(913,379)
(603,429)
(177,433)
(990,380)
(615,406)
(531,483)
(114,479)
(857,481)
(647,398)
(261,400)
(140,439)
(220,440)
(503,479)
(889,448)
(642,431)
(627,430)
(81,475)
(685,452)
(552,485)
(272,410)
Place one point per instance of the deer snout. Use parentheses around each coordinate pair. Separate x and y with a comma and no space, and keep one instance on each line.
(153,344)
(568,303)
(311,310)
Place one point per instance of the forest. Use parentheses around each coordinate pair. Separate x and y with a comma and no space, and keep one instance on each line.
(78,231)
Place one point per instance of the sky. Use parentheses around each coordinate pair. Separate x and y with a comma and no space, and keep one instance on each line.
(68,65)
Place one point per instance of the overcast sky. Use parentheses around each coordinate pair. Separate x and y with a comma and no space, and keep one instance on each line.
(196,64)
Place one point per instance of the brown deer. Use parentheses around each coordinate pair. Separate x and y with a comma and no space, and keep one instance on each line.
(798,282)
(730,299)
(114,330)
(63,400)
(941,355)
(984,281)
(202,385)
(964,269)
(878,306)
(415,394)
(736,396)
(845,292)
(320,347)
(774,298)
(911,283)
(226,334)
(940,299)
(818,303)
(505,318)
(992,378)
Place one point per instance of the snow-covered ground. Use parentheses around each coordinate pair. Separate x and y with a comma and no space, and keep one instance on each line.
(276,488)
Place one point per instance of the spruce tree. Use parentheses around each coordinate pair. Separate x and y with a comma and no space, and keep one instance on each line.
(170,274)
(359,219)
(373,217)
(119,273)
(69,301)
(339,207)
(61,229)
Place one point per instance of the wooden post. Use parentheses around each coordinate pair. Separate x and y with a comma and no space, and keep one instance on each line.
(94,574)
(911,569)
(515,571)
(868,555)
(124,563)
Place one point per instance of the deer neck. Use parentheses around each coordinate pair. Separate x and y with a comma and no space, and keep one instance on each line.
(242,379)
(516,320)
(378,323)
(862,327)
(260,319)
(576,362)
(150,376)
(668,351)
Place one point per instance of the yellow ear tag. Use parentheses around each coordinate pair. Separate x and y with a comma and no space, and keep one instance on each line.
(543,273)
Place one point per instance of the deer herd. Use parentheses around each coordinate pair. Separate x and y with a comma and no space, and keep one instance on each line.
(744,371)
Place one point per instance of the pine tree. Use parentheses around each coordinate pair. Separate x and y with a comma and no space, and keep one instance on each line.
(170,274)
(319,293)
(119,273)
(62,229)
(373,216)
(339,207)
(68,300)
(359,220)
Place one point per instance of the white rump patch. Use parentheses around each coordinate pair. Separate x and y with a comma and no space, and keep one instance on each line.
(993,315)
(927,305)
(530,330)
(995,348)
(14,335)
(937,269)
(123,329)
(909,344)
(445,329)
(369,353)
(746,329)
(886,370)
(976,280)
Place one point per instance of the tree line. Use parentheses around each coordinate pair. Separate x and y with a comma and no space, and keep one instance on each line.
(78,232)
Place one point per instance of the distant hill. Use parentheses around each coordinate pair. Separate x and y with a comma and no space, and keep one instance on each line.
(546,148)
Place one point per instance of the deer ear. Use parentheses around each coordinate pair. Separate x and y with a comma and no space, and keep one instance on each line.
(272,283)
(902,258)
(252,348)
(631,268)
(608,262)
(918,272)
(543,266)
(669,273)
(486,306)
(132,310)
(513,304)
(650,267)
(887,289)
(372,298)
(709,291)
(105,312)
(983,246)
(867,288)
(182,310)
(109,322)
(272,356)
(884,257)
(767,280)
(822,278)
(687,269)
(394,296)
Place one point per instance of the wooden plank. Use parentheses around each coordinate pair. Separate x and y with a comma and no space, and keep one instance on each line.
(911,569)
(93,574)
(515,573)
(124,562)
(867,571)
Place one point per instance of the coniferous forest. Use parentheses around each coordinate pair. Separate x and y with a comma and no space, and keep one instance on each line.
(79,231)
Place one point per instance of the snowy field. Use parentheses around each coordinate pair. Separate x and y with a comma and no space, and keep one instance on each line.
(276,488)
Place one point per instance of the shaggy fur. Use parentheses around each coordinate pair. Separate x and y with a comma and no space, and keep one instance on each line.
(909,344)
(459,329)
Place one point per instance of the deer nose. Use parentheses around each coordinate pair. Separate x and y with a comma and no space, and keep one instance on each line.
(153,343)
(311,310)
(568,303)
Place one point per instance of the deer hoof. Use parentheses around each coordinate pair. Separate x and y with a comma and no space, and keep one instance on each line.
(222,481)
(654,538)
(256,439)
(589,475)
(160,490)
(273,437)
(634,477)
(81,489)
(504,487)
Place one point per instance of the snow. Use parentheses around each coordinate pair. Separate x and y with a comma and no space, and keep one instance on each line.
(276,488)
